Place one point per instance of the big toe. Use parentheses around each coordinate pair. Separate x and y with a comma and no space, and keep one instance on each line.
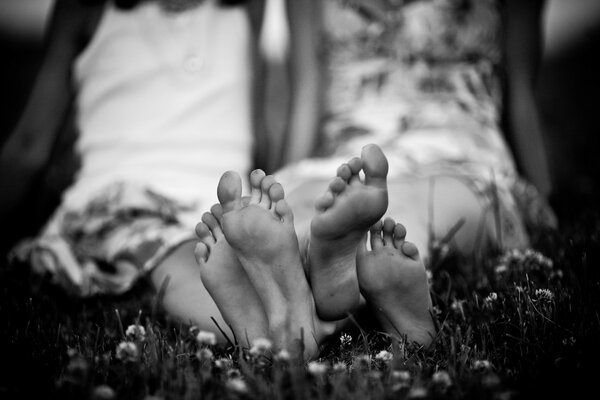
(375,165)
(229,191)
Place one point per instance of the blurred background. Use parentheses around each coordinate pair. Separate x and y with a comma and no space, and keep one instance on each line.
(567,92)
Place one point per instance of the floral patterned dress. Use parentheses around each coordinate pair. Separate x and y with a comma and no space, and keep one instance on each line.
(422,79)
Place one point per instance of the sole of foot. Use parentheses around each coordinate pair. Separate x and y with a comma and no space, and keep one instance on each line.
(393,280)
(343,216)
(261,232)
(227,282)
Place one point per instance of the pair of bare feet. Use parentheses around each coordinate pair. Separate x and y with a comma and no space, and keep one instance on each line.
(251,264)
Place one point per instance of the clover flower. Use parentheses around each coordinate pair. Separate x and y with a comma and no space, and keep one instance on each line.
(237,385)
(544,295)
(384,356)
(205,338)
(103,392)
(345,340)
(442,378)
(223,363)
(482,365)
(205,354)
(316,368)
(260,346)
(283,355)
(417,392)
(493,296)
(136,332)
(127,351)
(339,367)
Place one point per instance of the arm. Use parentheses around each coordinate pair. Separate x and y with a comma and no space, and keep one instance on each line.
(28,149)
(306,81)
(523,51)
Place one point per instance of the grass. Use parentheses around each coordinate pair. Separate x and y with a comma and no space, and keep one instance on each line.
(512,326)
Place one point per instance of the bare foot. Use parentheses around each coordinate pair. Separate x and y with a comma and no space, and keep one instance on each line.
(227,282)
(263,237)
(344,214)
(393,280)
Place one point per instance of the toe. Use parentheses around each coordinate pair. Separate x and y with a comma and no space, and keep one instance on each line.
(256,178)
(213,224)
(388,231)
(201,252)
(283,210)
(399,235)
(229,191)
(344,172)
(276,192)
(375,165)
(337,185)
(410,250)
(355,165)
(217,211)
(324,201)
(376,239)
(202,230)
(265,185)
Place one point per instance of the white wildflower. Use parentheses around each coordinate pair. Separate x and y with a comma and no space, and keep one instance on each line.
(544,295)
(205,354)
(260,346)
(384,356)
(127,351)
(283,355)
(492,297)
(205,338)
(317,368)
(339,367)
(223,363)
(237,385)
(103,392)
(136,332)
(400,376)
(417,392)
(482,365)
(442,378)
(345,340)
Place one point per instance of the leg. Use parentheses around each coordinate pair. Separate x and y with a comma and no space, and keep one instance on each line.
(343,216)
(227,282)
(263,237)
(392,279)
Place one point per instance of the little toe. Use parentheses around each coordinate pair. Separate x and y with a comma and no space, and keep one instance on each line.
(229,191)
(410,250)
(201,252)
(375,166)
(265,185)
(344,172)
(283,210)
(337,185)
(256,178)
(388,231)
(276,192)
(399,235)
(376,239)
(324,201)
(213,224)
